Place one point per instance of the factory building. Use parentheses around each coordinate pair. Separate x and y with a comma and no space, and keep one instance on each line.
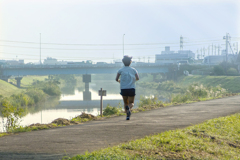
(216,59)
(170,57)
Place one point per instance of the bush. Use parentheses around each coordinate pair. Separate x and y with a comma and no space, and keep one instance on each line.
(111,110)
(232,72)
(148,101)
(12,112)
(218,70)
(37,95)
(50,87)
(21,99)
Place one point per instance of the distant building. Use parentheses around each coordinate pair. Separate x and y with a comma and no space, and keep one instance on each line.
(53,61)
(12,62)
(50,61)
(216,59)
(169,57)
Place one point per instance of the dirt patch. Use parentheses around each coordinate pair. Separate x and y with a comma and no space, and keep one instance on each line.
(42,126)
(85,115)
(55,123)
(62,121)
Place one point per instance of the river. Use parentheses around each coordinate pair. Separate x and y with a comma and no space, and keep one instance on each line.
(71,103)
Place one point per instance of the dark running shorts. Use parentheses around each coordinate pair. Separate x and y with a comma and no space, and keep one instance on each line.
(128,92)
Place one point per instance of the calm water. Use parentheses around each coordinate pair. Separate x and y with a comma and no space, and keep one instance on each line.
(71,103)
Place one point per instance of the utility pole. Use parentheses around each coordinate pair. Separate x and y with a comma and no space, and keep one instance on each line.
(197,54)
(208,50)
(123,44)
(201,52)
(212,48)
(215,49)
(219,49)
(237,47)
(181,43)
(204,49)
(40,50)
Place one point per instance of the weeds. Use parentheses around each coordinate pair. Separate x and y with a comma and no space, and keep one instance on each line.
(148,101)
(196,92)
(109,110)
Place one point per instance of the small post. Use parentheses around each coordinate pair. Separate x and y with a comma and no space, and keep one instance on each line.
(101,105)
(101,93)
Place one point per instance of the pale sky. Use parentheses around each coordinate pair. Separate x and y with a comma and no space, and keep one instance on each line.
(76,30)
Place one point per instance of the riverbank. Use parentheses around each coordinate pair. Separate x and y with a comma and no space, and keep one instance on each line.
(145,104)
(17,105)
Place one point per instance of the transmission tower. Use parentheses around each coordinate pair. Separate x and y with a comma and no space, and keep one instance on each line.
(219,47)
(227,37)
(197,54)
(209,50)
(181,43)
(212,48)
(215,50)
(204,49)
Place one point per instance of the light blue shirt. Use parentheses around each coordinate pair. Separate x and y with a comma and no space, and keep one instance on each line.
(128,78)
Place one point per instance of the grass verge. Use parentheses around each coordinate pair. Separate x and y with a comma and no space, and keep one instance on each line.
(214,139)
(231,83)
(7,89)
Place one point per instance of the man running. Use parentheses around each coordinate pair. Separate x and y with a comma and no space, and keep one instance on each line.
(127,81)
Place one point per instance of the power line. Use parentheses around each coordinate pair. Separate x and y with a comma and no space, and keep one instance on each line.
(162,43)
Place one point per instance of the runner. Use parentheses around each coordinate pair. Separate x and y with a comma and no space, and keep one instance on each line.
(127,81)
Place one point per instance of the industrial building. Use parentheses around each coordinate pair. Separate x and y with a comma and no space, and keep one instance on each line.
(170,57)
(216,59)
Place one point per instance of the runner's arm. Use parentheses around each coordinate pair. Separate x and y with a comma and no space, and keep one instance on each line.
(117,77)
(137,77)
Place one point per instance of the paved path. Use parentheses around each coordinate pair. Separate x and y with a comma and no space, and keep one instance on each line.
(71,140)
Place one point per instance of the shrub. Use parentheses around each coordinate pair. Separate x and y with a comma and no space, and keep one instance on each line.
(37,95)
(148,101)
(218,70)
(21,99)
(109,110)
(12,113)
(49,87)
(232,72)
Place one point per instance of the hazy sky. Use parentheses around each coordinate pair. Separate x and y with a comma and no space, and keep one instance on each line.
(76,30)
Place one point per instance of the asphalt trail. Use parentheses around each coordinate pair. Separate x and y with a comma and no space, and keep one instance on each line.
(77,139)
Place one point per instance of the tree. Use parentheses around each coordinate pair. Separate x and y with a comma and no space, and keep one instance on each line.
(218,70)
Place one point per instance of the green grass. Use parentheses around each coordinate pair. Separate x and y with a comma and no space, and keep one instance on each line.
(7,89)
(231,83)
(28,80)
(214,139)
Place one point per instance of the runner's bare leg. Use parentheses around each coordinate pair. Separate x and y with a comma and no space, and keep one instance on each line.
(131,102)
(126,102)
